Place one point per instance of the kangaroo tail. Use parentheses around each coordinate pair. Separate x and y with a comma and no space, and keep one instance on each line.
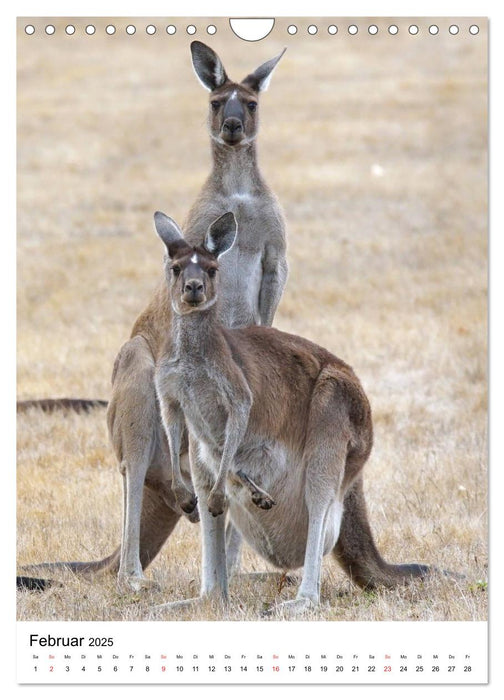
(28,583)
(50,405)
(357,553)
(110,563)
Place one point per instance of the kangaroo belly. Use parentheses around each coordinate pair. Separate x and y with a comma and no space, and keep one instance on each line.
(282,543)
(278,535)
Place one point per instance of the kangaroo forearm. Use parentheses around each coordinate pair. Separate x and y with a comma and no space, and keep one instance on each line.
(270,294)
(235,431)
(173,420)
(173,423)
(269,298)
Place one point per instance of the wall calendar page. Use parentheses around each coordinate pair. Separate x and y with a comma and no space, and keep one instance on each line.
(252,381)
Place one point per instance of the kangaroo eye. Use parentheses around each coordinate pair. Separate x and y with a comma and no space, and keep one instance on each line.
(252,106)
(212,272)
(215,104)
(176,270)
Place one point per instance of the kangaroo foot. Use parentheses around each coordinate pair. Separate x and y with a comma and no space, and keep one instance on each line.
(291,608)
(260,498)
(281,580)
(176,606)
(190,604)
(127,584)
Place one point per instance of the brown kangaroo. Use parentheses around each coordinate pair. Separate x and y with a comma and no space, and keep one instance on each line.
(255,273)
(269,408)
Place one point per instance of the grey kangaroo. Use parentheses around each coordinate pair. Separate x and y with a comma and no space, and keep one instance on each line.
(255,273)
(264,410)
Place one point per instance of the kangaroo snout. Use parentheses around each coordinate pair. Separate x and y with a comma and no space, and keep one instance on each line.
(232,128)
(194,291)
(193,286)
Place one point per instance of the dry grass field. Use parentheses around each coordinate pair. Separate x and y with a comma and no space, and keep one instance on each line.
(377,150)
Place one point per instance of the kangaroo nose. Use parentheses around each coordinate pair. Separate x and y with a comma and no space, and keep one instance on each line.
(232,125)
(193,286)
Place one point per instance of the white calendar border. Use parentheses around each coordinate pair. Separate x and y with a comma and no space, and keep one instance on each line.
(257,8)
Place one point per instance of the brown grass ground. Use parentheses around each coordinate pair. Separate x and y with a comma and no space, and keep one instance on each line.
(376,147)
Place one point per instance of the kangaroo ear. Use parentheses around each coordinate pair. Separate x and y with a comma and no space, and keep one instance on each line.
(221,234)
(168,232)
(207,66)
(259,80)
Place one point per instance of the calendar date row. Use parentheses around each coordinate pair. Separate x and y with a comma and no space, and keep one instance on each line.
(148,668)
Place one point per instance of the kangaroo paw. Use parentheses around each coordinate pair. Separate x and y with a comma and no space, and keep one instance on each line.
(186,500)
(262,500)
(194,516)
(216,503)
(291,608)
(190,504)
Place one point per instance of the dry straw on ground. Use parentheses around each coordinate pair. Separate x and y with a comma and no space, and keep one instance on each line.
(376,147)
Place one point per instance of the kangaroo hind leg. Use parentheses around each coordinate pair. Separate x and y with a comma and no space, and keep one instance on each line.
(214,575)
(132,420)
(325,509)
(325,462)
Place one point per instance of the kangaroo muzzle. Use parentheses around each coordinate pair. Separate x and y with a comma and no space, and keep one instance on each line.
(194,292)
(233,117)
(232,130)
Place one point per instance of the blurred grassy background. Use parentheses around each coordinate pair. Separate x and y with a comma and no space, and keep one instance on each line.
(377,149)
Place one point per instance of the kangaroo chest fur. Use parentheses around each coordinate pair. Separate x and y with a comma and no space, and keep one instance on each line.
(237,186)
(200,394)
(242,267)
(259,245)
